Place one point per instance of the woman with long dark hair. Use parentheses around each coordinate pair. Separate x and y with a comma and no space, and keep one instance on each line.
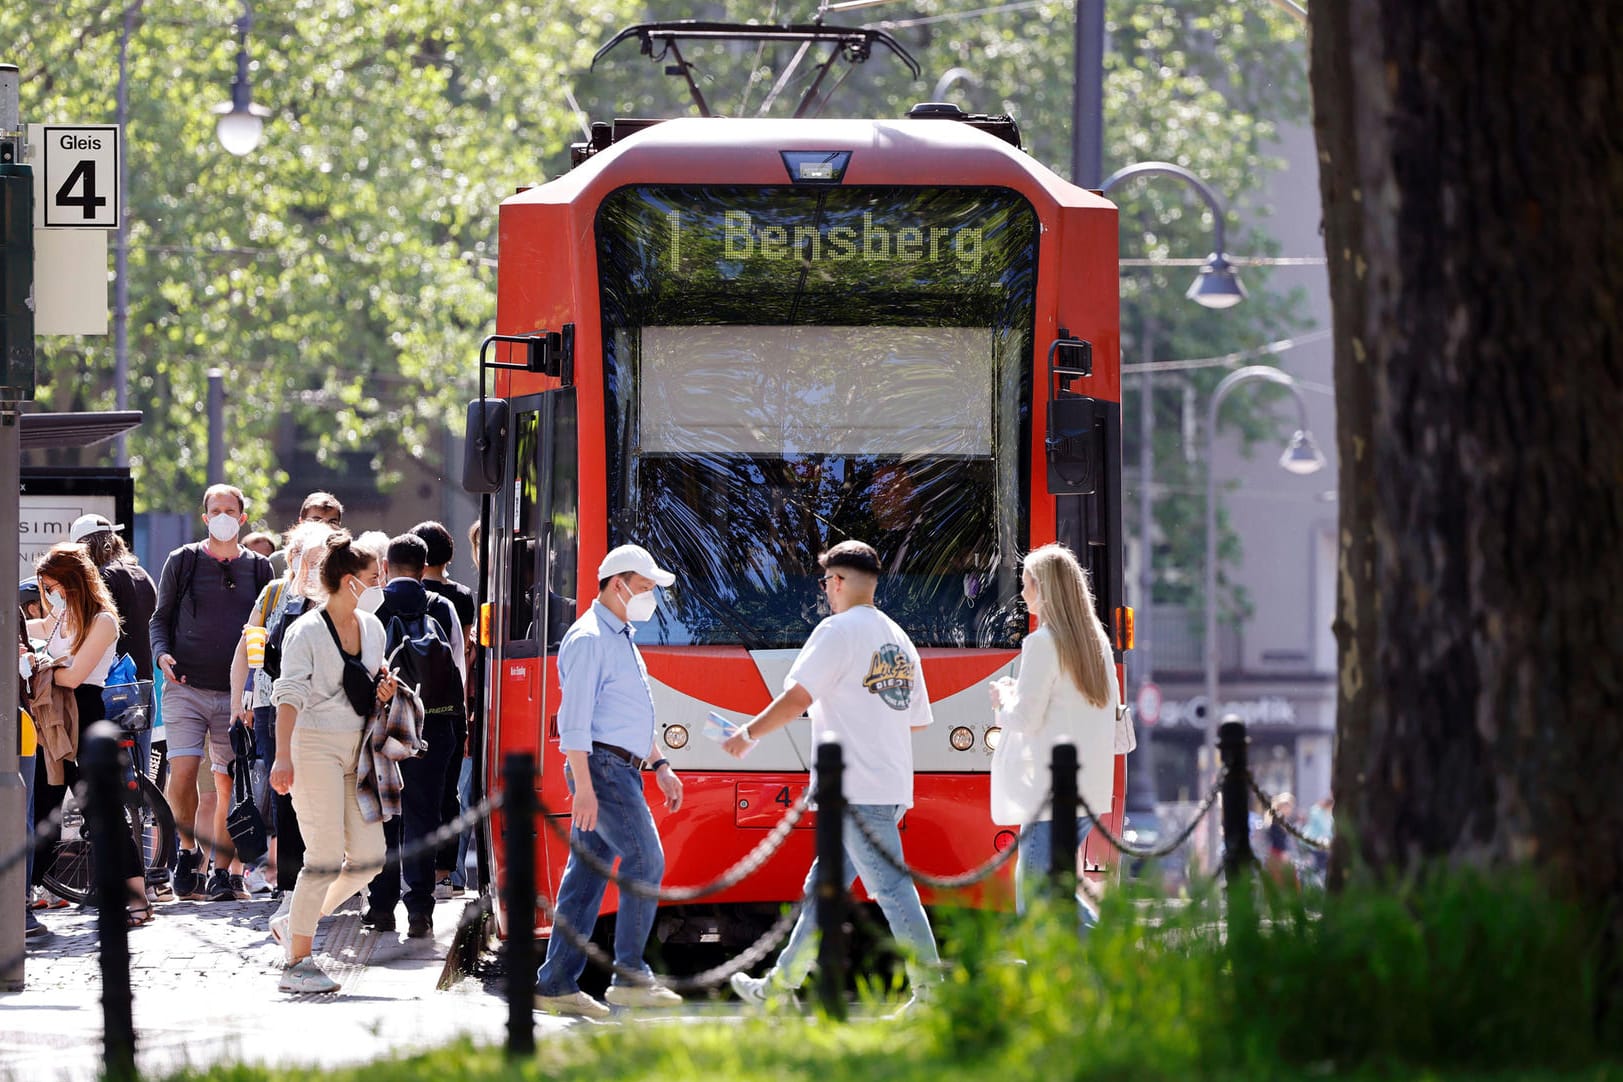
(82,626)
(1066,690)
(332,671)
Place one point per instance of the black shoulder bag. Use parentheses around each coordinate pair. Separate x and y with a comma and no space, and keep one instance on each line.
(360,686)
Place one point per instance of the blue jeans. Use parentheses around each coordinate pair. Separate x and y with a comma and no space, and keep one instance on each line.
(894,890)
(464,840)
(1035,858)
(625,828)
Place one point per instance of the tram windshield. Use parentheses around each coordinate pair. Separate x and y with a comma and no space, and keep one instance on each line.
(786,368)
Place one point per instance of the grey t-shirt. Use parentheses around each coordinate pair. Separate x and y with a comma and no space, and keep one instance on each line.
(200,623)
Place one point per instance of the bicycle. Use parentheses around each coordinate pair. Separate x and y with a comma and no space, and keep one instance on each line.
(71,871)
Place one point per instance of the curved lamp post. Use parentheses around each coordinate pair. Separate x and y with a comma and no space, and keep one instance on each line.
(1226,293)
(241,121)
(1301,457)
(1216,286)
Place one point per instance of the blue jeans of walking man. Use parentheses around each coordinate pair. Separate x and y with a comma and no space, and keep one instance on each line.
(892,888)
(625,829)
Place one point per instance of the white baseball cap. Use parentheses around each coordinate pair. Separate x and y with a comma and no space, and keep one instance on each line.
(633,558)
(85,525)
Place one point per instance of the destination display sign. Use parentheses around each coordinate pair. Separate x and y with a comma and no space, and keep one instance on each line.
(849,240)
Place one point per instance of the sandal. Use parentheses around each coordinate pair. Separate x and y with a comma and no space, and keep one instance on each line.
(138,916)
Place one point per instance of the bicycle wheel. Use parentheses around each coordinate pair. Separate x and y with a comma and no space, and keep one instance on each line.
(153,825)
(72,870)
(69,872)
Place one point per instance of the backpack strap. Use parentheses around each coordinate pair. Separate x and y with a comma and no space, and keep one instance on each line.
(271,602)
(189,555)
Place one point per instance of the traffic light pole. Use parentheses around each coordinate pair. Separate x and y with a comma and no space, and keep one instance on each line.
(16,380)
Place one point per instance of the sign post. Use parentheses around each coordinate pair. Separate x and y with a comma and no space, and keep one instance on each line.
(17,342)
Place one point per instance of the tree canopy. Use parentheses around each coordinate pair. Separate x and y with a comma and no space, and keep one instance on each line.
(342,273)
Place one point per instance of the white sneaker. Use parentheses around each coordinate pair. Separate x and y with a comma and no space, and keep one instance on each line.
(281,930)
(442,889)
(306,977)
(576,1004)
(254,879)
(642,995)
(752,990)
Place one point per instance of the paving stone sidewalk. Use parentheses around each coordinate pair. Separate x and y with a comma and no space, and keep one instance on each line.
(204,977)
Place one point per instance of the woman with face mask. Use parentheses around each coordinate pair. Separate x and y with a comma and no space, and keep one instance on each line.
(81,624)
(1066,690)
(279,604)
(332,670)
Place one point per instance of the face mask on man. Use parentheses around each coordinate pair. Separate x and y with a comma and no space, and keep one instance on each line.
(224,527)
(368,598)
(640,607)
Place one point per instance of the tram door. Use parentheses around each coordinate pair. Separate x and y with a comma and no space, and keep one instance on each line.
(540,571)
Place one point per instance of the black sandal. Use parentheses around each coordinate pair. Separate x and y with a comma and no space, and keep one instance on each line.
(139,916)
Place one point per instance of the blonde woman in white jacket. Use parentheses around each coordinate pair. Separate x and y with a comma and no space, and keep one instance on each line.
(1066,690)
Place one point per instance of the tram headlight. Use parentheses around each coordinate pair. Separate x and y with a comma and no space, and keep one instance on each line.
(994,736)
(962,738)
(676,736)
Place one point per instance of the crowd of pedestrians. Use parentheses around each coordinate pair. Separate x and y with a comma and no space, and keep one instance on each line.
(294,640)
(343,663)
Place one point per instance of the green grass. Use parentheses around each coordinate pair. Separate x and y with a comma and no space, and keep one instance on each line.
(1458,977)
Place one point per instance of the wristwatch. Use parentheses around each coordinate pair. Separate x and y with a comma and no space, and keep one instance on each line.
(657,763)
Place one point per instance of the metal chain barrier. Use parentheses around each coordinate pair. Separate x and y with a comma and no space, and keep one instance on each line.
(43,835)
(439,837)
(940,882)
(1268,802)
(1168,848)
(711,978)
(747,866)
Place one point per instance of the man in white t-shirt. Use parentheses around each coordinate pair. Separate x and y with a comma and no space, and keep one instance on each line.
(859,678)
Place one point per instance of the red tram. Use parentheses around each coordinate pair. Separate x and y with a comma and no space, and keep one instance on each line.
(743,341)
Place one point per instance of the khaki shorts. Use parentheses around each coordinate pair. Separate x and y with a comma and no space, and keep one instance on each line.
(193,718)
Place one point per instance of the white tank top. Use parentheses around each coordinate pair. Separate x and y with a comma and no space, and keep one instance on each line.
(61,642)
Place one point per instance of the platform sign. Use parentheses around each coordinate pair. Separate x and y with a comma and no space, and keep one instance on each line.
(79,175)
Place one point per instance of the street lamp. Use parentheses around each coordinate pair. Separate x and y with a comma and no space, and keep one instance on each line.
(241,121)
(1216,286)
(1301,457)
(1212,297)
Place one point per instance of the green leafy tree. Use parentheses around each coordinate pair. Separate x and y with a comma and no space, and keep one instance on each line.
(341,274)
(1196,82)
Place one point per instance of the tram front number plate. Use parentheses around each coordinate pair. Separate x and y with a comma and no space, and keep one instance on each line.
(763,805)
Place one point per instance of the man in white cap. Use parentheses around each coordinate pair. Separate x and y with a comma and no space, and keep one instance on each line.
(606,731)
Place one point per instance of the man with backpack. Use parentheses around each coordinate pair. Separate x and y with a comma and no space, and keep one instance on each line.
(205,594)
(424,648)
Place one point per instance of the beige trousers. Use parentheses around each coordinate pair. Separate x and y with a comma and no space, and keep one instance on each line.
(342,851)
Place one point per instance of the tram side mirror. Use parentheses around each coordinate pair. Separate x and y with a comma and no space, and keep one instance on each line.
(1074,447)
(484,446)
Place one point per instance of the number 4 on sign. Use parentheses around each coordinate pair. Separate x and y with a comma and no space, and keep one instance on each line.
(83,175)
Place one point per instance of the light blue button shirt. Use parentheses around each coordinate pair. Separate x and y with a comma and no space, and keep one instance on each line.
(605,686)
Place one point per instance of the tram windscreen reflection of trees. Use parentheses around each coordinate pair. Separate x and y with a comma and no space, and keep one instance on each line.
(764,405)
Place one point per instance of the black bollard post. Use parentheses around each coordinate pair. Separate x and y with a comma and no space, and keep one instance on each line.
(831,899)
(109,836)
(1062,856)
(1237,856)
(518,783)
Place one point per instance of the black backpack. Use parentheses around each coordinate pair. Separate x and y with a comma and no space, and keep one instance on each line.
(420,655)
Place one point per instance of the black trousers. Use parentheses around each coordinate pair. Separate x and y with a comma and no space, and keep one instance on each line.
(423,779)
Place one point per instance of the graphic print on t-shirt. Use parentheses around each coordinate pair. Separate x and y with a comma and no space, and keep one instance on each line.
(890,676)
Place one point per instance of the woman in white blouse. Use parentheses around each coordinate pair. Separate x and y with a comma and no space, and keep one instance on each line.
(1066,690)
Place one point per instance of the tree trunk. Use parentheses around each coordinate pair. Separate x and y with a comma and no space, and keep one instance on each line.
(1471,165)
